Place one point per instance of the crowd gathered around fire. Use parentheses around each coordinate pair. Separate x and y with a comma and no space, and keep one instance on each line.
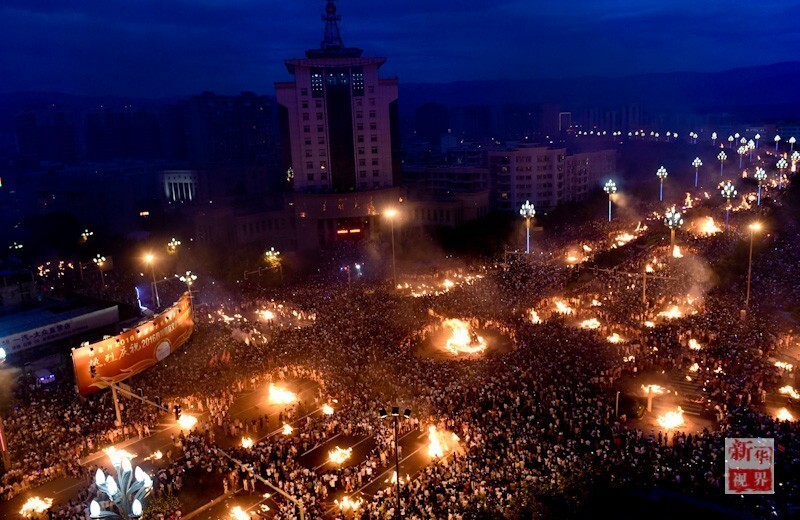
(537,426)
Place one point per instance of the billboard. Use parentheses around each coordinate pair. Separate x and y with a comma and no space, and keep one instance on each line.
(128,353)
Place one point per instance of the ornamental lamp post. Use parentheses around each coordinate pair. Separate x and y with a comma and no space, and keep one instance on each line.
(697,163)
(100,261)
(661,173)
(781,165)
(754,227)
(730,142)
(396,418)
(751,145)
(610,188)
(673,220)
(728,192)
(527,211)
(792,140)
(777,140)
(85,235)
(722,156)
(714,138)
(172,246)
(741,151)
(760,176)
(758,137)
(127,493)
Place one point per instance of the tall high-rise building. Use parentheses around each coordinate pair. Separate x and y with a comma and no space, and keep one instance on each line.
(340,118)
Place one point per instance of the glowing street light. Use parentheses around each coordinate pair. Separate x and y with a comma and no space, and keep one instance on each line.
(15,246)
(673,220)
(741,151)
(757,138)
(728,192)
(722,156)
(149,259)
(85,235)
(730,142)
(127,492)
(754,227)
(661,173)
(751,145)
(172,246)
(610,188)
(527,211)
(760,176)
(100,261)
(781,165)
(391,214)
(697,163)
(777,140)
(792,140)
(714,138)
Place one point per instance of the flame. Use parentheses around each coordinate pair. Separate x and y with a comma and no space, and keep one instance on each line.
(671,313)
(649,324)
(247,442)
(279,395)
(35,506)
(614,338)
(653,389)
(448,284)
(237,513)
(591,323)
(687,202)
(266,315)
(708,227)
(694,368)
(535,317)
(338,455)
(327,409)
(586,249)
(393,478)
(784,415)
(157,455)
(596,303)
(676,252)
(348,505)
(790,391)
(694,345)
(287,429)
(785,366)
(572,259)
(649,268)
(563,308)
(187,422)
(671,420)
(116,455)
(462,340)
(629,359)
(439,442)
(624,238)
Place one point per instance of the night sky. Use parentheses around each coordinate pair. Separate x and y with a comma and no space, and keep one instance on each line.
(177,47)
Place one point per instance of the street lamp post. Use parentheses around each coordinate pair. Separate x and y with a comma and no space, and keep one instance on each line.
(273,257)
(728,192)
(755,226)
(396,418)
(610,188)
(792,140)
(713,138)
(759,176)
(751,145)
(777,140)
(697,163)
(758,138)
(127,493)
(741,150)
(100,261)
(673,220)
(661,173)
(527,211)
(189,279)
(722,156)
(85,235)
(150,260)
(781,165)
(730,142)
(391,214)
(172,245)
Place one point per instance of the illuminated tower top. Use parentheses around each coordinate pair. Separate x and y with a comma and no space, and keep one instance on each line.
(332,44)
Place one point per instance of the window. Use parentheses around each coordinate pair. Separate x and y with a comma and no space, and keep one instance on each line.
(306,129)
(358,102)
(320,129)
(303,91)
(373,126)
(320,140)
(323,176)
(316,83)
(310,176)
(360,150)
(308,153)
(359,114)
(308,142)
(305,104)
(360,127)
(362,162)
(323,165)
(305,116)
(374,162)
(372,114)
(372,101)
(360,138)
(373,139)
(374,149)
(371,90)
(309,165)
(362,173)
(319,116)
(318,103)
(375,173)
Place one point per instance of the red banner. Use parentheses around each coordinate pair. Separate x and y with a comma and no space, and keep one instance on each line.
(128,353)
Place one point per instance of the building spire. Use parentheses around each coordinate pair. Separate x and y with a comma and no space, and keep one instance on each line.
(331,39)
(332,44)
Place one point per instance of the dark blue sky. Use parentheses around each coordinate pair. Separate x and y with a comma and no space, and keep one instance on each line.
(175,47)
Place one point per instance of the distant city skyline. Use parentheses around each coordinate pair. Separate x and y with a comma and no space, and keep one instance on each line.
(154,49)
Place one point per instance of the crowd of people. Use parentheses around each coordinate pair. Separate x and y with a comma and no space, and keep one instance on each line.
(538,429)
